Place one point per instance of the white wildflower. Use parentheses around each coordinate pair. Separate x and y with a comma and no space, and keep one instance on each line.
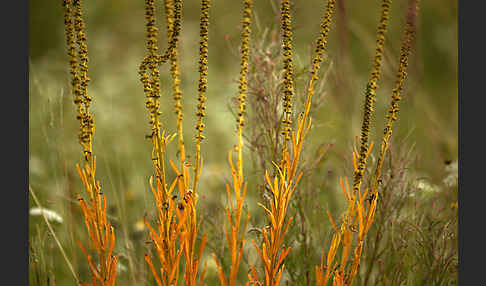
(50,215)
(36,167)
(426,187)
(452,174)
(120,268)
(139,226)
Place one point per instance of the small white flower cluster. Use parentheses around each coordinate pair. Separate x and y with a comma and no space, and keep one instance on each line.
(452,174)
(424,188)
(120,268)
(50,215)
(427,187)
(36,166)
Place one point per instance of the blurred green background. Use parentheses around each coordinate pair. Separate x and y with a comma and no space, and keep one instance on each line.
(116,44)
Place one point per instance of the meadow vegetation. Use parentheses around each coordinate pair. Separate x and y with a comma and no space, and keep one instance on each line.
(268,157)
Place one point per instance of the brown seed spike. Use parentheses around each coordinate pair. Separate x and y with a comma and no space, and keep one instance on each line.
(370,93)
(286,30)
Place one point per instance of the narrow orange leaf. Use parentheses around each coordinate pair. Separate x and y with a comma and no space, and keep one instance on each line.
(149,261)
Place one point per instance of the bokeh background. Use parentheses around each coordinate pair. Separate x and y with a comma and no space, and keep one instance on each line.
(115,30)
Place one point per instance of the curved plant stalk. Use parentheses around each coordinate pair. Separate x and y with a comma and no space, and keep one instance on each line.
(51,230)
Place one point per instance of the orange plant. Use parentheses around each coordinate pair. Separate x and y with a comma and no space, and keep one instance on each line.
(234,233)
(175,236)
(357,220)
(358,217)
(272,251)
(100,231)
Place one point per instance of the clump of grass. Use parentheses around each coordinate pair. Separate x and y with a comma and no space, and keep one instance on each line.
(391,205)
(410,212)
(100,230)
(48,216)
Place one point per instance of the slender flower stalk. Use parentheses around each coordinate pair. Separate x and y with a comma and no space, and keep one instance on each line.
(78,61)
(167,235)
(272,251)
(321,48)
(235,234)
(174,17)
(243,84)
(150,80)
(370,93)
(392,116)
(202,88)
(358,217)
(100,231)
(190,197)
(365,215)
